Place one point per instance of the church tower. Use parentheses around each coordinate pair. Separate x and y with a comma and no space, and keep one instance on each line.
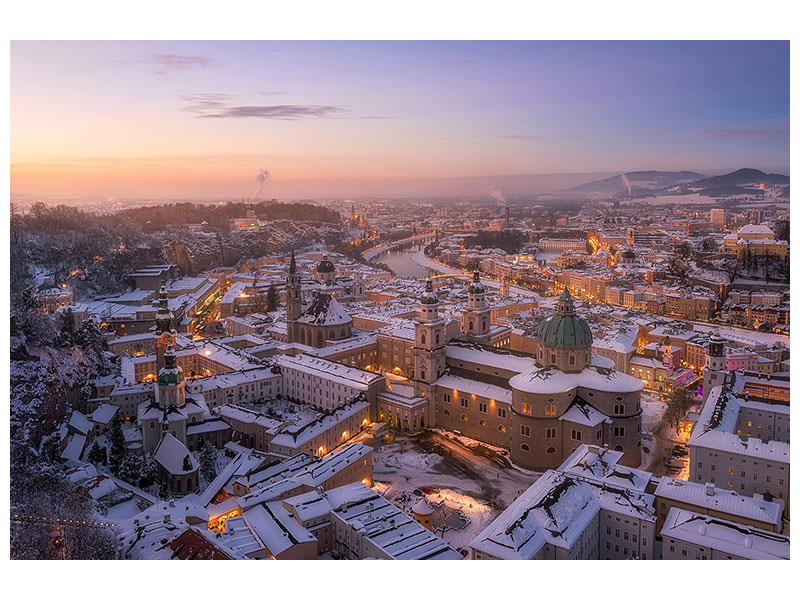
(171,384)
(293,301)
(429,343)
(476,319)
(165,334)
(714,369)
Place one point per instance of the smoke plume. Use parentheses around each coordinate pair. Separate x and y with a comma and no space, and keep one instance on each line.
(627,183)
(498,195)
(261,177)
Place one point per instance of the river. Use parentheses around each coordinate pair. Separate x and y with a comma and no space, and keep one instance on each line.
(399,261)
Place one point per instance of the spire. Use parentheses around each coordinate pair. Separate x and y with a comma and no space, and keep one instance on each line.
(292,264)
(476,276)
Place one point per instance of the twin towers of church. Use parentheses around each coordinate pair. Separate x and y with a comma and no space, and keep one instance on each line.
(429,332)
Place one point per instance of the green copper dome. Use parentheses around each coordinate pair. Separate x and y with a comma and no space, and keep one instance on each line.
(429,296)
(565,331)
(476,287)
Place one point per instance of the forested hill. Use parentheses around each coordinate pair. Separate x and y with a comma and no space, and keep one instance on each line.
(185,213)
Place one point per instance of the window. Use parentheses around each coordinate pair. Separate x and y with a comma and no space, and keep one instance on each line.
(550,410)
(501,412)
(446,412)
(551,450)
(619,432)
(465,402)
(482,407)
(575,435)
(525,430)
(550,433)
(599,434)
(619,409)
(501,428)
(463,417)
(483,423)
(524,447)
(526,408)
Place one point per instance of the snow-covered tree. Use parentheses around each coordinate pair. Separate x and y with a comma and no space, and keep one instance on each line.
(118,449)
(208,462)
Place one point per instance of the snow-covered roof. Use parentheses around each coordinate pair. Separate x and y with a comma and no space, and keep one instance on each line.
(716,428)
(720,499)
(583,413)
(104,413)
(171,454)
(325,310)
(328,369)
(724,536)
(555,510)
(491,357)
(276,528)
(385,526)
(473,386)
(551,380)
(80,422)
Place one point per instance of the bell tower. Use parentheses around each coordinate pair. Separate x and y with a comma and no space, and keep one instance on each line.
(429,343)
(171,388)
(714,370)
(476,319)
(165,334)
(293,300)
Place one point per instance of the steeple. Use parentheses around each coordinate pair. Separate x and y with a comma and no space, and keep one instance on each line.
(163,315)
(292,264)
(566,304)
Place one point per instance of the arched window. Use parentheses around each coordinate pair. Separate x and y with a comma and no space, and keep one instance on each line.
(551,450)
(446,412)
(524,447)
(619,448)
(437,337)
(471,325)
(422,338)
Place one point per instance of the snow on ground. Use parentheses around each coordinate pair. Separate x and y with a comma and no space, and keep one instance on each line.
(469,485)
(652,410)
(469,442)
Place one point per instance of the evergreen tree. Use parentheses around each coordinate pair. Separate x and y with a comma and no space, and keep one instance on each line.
(96,454)
(272,298)
(187,463)
(149,473)
(130,469)
(118,449)
(208,462)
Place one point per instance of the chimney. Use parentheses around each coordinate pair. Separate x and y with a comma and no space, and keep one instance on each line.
(709,488)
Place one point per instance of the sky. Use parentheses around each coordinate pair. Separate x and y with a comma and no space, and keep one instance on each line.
(119,120)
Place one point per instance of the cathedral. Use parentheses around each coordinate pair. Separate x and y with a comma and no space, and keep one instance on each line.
(540,407)
(324,318)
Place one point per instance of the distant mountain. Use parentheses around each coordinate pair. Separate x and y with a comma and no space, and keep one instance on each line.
(675,183)
(642,183)
(740,178)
